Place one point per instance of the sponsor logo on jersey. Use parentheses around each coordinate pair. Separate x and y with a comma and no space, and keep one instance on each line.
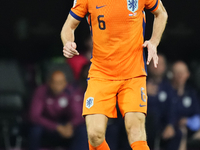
(142,105)
(98,7)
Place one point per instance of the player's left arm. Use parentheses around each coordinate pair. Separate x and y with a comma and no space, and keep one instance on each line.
(160,20)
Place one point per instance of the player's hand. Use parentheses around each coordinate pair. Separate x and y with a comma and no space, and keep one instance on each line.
(168,132)
(152,52)
(69,50)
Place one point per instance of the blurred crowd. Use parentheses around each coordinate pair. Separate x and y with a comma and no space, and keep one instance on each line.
(52,118)
(173,118)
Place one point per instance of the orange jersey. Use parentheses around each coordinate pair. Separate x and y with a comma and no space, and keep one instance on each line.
(117,28)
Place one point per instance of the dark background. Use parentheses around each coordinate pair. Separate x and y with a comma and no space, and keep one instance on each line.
(30,30)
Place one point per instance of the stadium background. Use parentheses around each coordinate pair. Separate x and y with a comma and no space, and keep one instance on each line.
(32,28)
(30,32)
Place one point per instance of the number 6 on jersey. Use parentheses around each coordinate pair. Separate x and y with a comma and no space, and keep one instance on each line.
(102,24)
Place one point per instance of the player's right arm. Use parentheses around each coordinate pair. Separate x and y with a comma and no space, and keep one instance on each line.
(78,11)
(67,36)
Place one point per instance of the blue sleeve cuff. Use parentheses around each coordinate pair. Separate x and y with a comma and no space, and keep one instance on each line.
(75,16)
(154,6)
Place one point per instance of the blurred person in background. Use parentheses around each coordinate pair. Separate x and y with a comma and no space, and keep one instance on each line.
(196,136)
(77,62)
(159,118)
(78,89)
(53,113)
(186,103)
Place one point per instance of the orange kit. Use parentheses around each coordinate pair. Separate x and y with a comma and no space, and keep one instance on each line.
(117,28)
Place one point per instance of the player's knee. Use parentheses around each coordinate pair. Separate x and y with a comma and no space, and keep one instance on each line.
(134,120)
(96,135)
(134,132)
(135,126)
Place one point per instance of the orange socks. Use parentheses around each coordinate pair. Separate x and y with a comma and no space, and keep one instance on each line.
(140,145)
(102,146)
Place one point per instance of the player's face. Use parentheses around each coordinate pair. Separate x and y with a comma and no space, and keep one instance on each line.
(180,73)
(58,83)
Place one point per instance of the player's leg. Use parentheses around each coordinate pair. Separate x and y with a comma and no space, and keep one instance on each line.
(99,104)
(96,129)
(135,127)
(132,102)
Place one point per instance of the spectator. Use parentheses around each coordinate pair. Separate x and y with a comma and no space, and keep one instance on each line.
(78,89)
(186,106)
(53,112)
(159,118)
(196,136)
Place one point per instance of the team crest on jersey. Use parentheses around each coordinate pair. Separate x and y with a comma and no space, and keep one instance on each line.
(74,3)
(132,5)
(89,102)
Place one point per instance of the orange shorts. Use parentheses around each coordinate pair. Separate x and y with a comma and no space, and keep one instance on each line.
(102,95)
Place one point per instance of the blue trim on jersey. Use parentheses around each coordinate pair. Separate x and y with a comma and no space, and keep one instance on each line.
(154,6)
(145,62)
(144,57)
(91,26)
(91,34)
(144,26)
(91,54)
(75,16)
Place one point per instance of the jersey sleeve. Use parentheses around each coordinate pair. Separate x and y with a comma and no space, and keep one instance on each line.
(79,9)
(152,5)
